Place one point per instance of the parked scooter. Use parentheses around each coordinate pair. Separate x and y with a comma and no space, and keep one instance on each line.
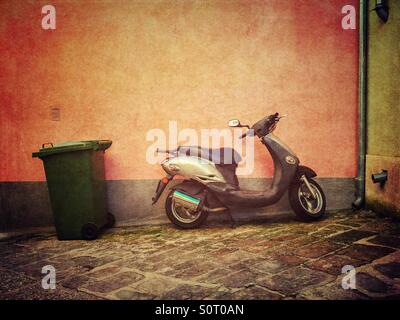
(211,184)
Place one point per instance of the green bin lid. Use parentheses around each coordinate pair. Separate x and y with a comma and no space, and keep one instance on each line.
(70,146)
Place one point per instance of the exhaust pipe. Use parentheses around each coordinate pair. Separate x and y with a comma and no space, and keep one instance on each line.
(193,204)
(186,201)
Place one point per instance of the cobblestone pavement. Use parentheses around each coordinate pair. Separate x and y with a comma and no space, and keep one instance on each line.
(278,259)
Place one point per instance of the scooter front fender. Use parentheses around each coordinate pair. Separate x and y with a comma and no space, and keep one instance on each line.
(303,170)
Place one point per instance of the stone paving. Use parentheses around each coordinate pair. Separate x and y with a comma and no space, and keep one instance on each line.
(274,259)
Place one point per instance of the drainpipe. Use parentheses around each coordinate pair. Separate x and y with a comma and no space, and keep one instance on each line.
(362,106)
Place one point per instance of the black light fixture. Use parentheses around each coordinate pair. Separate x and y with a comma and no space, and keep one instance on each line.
(382,9)
(380,177)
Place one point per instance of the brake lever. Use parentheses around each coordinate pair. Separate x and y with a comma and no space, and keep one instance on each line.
(165,151)
(249,133)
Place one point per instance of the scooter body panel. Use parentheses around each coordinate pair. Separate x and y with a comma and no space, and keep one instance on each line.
(285,164)
(195,168)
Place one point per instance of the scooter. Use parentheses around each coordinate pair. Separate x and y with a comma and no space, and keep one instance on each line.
(211,184)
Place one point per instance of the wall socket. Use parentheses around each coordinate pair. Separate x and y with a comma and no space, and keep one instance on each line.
(55,113)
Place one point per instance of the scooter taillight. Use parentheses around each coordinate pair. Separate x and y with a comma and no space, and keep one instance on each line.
(165,180)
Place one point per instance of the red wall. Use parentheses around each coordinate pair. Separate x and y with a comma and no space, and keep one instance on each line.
(117,69)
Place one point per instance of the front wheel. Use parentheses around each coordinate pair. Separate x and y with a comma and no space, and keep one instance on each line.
(307,207)
(182,217)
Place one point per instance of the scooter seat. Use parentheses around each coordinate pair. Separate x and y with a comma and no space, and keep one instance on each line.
(220,156)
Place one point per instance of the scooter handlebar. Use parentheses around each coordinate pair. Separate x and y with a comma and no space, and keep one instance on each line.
(249,132)
(267,124)
(243,135)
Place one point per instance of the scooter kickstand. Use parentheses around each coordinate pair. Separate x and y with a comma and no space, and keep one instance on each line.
(233,222)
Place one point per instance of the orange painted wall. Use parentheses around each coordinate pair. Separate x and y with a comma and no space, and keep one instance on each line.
(119,68)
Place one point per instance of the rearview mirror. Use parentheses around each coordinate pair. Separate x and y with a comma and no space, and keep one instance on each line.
(234,123)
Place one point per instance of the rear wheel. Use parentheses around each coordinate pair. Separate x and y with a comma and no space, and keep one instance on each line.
(182,217)
(307,207)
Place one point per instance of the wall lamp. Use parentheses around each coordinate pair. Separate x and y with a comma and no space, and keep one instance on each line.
(382,9)
(380,177)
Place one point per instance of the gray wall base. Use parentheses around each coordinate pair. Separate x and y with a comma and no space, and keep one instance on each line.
(27,204)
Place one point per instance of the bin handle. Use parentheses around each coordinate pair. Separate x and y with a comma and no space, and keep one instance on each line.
(47,143)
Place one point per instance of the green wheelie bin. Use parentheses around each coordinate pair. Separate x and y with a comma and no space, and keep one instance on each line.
(75,179)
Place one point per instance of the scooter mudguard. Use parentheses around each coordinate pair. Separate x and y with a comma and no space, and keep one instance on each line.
(160,188)
(189,187)
(303,170)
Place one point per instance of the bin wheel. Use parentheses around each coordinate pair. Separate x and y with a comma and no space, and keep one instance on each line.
(90,231)
(110,220)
